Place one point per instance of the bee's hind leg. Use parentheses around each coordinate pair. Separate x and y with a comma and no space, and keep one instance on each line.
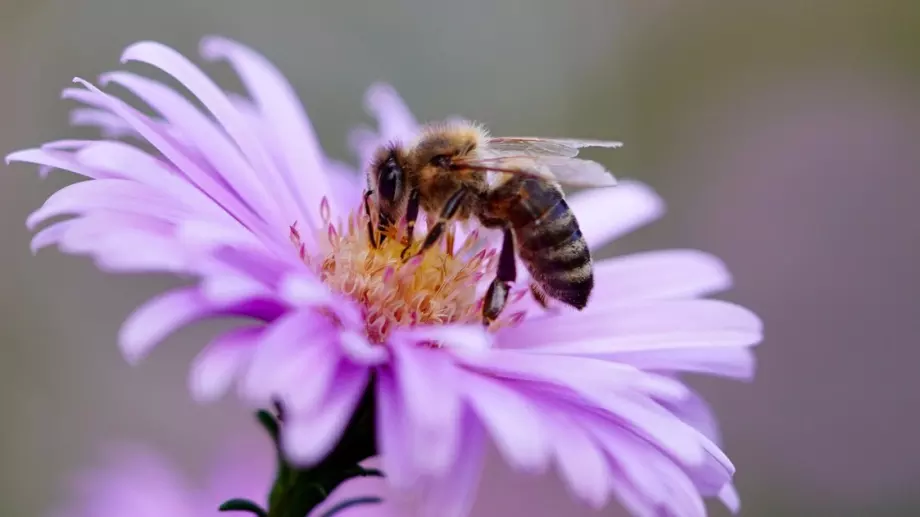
(539,295)
(497,295)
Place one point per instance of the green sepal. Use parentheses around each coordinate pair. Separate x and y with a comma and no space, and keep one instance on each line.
(242,505)
(348,503)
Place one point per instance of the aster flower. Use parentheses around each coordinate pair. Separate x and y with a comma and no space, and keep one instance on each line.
(241,197)
(133,480)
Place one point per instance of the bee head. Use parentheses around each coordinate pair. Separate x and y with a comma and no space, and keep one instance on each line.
(387,178)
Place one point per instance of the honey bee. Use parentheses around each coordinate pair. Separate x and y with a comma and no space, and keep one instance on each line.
(455,172)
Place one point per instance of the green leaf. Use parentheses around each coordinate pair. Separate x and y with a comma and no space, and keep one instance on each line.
(242,505)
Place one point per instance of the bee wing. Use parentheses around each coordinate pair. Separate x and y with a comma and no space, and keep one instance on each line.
(557,169)
(534,146)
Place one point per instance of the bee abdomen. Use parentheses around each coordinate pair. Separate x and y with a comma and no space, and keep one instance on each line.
(557,256)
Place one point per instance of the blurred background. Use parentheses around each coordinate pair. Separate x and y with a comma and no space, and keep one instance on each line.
(782,135)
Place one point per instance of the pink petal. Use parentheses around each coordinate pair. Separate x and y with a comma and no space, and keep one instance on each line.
(110,125)
(730,498)
(122,160)
(511,419)
(110,194)
(605,214)
(284,114)
(308,438)
(288,345)
(659,274)
(158,318)
(428,384)
(395,120)
(361,351)
(655,425)
(454,494)
(215,367)
(210,141)
(172,151)
(392,433)
(582,464)
(55,159)
(643,326)
(50,235)
(214,99)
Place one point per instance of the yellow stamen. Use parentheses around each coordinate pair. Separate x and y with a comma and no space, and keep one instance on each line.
(435,288)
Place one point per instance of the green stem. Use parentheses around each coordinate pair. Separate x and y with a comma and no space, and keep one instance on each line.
(298,491)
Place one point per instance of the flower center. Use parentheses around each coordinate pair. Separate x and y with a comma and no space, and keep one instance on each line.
(437,287)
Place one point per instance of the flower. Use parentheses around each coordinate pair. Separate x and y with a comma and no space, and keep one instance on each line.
(134,480)
(242,198)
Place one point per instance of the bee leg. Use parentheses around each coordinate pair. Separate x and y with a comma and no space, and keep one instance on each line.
(371,233)
(411,217)
(497,295)
(447,213)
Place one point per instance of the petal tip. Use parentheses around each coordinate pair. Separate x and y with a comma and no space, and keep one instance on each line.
(210,46)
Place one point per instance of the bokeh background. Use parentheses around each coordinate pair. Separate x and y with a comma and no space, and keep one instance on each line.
(782,134)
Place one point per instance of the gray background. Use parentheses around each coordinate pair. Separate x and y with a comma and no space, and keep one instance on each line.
(782,134)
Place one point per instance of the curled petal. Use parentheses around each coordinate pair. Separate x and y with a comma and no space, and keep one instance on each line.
(220,362)
(605,214)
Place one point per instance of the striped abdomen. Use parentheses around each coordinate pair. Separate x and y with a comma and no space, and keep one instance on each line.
(550,243)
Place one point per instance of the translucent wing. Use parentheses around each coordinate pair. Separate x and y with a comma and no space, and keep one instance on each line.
(533,146)
(556,169)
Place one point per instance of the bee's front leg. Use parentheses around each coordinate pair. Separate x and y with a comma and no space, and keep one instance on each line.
(411,217)
(450,209)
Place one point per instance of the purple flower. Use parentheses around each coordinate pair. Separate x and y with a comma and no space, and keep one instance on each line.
(135,481)
(241,197)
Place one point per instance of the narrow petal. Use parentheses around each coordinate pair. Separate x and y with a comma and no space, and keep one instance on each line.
(158,318)
(361,351)
(215,367)
(286,351)
(50,235)
(111,194)
(308,438)
(605,214)
(126,161)
(429,387)
(582,464)
(216,101)
(454,494)
(511,419)
(714,354)
(395,120)
(603,328)
(649,421)
(694,410)
(55,159)
(730,498)
(284,114)
(392,433)
(658,275)
(174,152)
(110,126)
(210,141)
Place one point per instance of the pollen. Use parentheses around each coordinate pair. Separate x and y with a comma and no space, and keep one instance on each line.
(437,287)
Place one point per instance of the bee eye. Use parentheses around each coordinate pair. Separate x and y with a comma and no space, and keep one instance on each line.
(389,180)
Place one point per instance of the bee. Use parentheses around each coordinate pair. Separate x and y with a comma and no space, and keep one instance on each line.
(456,172)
